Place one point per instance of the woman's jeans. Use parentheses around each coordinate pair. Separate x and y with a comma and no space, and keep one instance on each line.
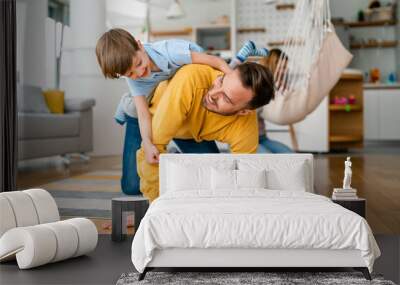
(265,145)
(130,181)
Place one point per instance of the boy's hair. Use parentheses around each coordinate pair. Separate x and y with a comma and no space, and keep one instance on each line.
(260,80)
(114,51)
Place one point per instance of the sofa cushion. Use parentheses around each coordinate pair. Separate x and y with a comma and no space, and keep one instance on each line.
(55,101)
(31,100)
(40,126)
(78,104)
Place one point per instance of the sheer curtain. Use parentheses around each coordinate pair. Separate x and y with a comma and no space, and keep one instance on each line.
(8,101)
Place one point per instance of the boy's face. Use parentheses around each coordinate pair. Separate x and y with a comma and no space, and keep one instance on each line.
(141,64)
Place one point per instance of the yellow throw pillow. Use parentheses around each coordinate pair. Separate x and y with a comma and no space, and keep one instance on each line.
(54,100)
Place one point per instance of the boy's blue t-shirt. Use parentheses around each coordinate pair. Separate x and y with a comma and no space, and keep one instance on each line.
(168,55)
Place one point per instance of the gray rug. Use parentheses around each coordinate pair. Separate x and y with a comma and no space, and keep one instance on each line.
(242,278)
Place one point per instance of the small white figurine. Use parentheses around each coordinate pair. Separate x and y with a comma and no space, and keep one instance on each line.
(347,174)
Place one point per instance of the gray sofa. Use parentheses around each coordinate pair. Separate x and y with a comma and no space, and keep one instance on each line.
(43,134)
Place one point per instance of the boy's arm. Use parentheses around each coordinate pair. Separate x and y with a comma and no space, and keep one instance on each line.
(144,117)
(213,61)
(170,114)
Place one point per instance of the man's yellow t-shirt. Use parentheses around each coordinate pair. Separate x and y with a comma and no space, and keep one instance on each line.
(178,113)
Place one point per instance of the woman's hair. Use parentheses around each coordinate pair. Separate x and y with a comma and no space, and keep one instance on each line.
(272,59)
(272,62)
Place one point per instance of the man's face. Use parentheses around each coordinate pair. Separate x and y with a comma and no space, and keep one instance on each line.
(141,64)
(227,96)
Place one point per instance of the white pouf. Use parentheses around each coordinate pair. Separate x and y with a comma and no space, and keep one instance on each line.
(7,218)
(46,207)
(23,208)
(31,232)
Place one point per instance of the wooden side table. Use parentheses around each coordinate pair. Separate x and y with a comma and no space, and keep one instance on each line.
(357,205)
(136,204)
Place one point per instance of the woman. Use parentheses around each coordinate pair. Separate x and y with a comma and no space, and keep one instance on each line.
(267,145)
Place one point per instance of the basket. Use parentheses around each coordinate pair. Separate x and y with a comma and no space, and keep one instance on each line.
(379,14)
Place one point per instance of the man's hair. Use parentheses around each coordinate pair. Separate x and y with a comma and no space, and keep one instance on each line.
(114,51)
(260,80)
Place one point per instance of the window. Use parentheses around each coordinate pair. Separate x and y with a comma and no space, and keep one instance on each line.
(59,11)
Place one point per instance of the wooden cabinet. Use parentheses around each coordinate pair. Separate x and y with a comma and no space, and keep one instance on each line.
(346,128)
(382,113)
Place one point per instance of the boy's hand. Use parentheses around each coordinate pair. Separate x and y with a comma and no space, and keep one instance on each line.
(151,153)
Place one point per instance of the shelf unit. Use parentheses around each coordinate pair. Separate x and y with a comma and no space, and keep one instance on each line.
(281,43)
(370,23)
(345,108)
(215,39)
(341,139)
(172,33)
(276,44)
(251,30)
(384,44)
(285,6)
(386,41)
(346,129)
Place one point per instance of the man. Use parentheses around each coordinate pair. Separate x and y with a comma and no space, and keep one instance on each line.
(204,104)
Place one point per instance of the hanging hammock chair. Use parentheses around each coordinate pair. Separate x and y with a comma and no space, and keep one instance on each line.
(312,61)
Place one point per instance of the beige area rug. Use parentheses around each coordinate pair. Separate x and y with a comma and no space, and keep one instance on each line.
(87,195)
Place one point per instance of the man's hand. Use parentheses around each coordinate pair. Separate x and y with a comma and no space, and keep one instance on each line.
(151,152)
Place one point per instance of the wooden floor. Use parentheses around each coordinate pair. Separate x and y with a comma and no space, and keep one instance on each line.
(376,177)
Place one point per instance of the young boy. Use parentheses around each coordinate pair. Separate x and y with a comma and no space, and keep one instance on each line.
(144,66)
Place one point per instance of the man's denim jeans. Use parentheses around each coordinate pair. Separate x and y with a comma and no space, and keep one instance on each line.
(130,182)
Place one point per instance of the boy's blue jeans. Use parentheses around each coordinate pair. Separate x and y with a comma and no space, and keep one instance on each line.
(130,181)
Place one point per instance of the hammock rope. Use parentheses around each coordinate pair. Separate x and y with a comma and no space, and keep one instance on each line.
(305,61)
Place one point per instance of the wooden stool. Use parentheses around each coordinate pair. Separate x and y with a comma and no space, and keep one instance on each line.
(137,204)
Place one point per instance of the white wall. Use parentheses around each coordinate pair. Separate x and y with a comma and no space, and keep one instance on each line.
(82,78)
(127,14)
(50,54)
(398,39)
(31,37)
(197,13)
(21,16)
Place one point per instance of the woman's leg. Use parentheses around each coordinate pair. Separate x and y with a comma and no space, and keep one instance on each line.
(276,147)
(262,148)
(130,182)
(191,146)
